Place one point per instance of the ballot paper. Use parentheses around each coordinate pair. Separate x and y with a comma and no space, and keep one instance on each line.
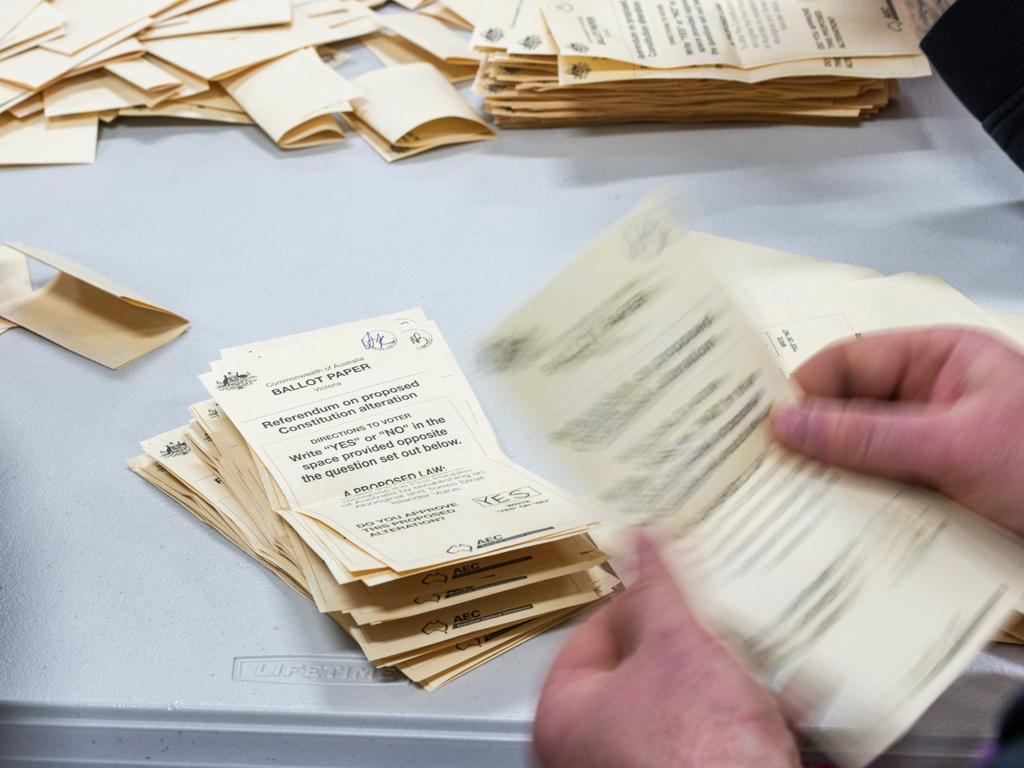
(222,16)
(89,314)
(14,280)
(356,464)
(535,63)
(432,36)
(358,435)
(294,98)
(91,93)
(410,109)
(446,13)
(38,141)
(145,74)
(859,599)
(394,50)
(599,61)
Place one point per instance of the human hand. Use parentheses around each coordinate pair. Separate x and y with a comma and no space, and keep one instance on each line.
(642,685)
(939,407)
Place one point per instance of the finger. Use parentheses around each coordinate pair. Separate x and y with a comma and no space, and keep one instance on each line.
(901,441)
(652,610)
(592,647)
(899,365)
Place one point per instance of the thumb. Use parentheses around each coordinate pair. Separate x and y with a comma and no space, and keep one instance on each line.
(652,609)
(892,440)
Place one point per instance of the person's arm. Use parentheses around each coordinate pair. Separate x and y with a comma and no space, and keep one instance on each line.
(924,13)
(1011,739)
(977,46)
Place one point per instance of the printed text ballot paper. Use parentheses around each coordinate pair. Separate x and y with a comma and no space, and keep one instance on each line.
(361,434)
(864,598)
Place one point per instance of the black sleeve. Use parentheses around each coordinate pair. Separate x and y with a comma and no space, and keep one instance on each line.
(978,49)
(1011,739)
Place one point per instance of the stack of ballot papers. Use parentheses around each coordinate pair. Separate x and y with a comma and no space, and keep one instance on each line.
(68,66)
(356,463)
(550,63)
(650,367)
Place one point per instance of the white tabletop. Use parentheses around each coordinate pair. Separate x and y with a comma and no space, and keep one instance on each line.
(127,629)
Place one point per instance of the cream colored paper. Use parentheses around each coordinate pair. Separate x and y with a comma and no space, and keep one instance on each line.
(332,464)
(28,107)
(667,33)
(412,108)
(471,581)
(180,9)
(38,141)
(447,15)
(654,392)
(90,21)
(39,67)
(397,638)
(14,279)
(529,33)
(574,70)
(92,92)
(222,54)
(394,51)
(15,12)
(227,15)
(144,74)
(292,98)
(40,22)
(432,36)
(91,315)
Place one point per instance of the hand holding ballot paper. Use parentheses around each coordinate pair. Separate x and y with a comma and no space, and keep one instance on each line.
(356,463)
(856,600)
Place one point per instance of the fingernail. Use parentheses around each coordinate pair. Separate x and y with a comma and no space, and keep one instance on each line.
(792,424)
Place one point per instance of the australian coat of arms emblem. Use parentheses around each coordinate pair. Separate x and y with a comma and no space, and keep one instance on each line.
(235,381)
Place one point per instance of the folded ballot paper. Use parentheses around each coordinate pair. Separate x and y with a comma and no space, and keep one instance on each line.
(69,66)
(81,310)
(552,63)
(858,600)
(356,463)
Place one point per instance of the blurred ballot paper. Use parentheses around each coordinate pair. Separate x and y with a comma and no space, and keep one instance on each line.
(83,311)
(858,598)
(357,464)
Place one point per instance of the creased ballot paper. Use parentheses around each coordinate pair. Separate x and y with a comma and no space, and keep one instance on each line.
(14,280)
(432,36)
(394,51)
(293,99)
(224,15)
(89,314)
(737,33)
(412,108)
(335,457)
(858,598)
(38,141)
(359,432)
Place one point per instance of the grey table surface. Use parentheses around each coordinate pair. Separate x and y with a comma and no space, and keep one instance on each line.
(130,634)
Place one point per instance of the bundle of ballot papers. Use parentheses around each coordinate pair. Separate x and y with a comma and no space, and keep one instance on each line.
(549,63)
(66,66)
(356,463)
(646,373)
